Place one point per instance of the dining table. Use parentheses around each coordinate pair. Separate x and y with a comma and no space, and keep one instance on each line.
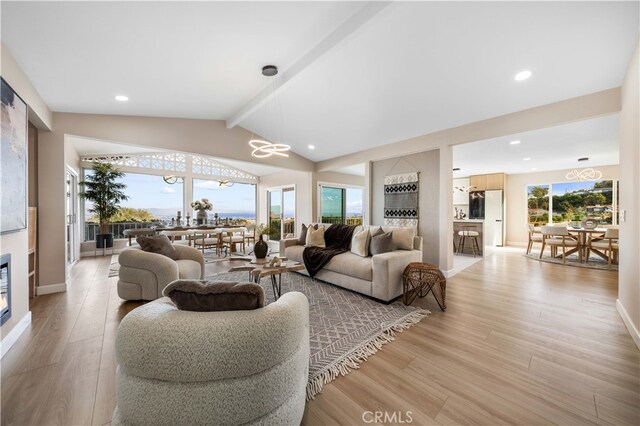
(582,234)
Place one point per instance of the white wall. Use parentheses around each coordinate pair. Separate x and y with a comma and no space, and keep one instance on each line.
(516,196)
(427,163)
(16,243)
(303,182)
(629,275)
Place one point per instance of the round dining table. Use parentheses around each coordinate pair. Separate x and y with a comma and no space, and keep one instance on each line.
(582,233)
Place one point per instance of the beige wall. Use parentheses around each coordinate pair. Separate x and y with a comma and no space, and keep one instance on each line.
(39,113)
(516,195)
(16,243)
(629,275)
(427,164)
(303,182)
(340,178)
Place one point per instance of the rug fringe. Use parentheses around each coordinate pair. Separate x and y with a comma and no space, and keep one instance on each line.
(359,355)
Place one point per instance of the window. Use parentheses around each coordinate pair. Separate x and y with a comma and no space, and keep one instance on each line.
(538,204)
(236,202)
(151,199)
(572,202)
(341,205)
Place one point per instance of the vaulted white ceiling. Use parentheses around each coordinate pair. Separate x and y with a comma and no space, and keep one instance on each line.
(410,69)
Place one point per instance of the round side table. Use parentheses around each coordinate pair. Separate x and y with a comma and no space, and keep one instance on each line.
(418,279)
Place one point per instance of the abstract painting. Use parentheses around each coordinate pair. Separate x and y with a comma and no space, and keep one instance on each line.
(13,162)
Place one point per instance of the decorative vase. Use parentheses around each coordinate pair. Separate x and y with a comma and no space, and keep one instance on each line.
(201,217)
(261,248)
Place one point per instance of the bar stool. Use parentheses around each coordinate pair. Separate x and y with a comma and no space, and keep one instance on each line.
(473,235)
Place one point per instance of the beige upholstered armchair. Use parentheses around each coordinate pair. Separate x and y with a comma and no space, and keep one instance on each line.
(213,368)
(144,275)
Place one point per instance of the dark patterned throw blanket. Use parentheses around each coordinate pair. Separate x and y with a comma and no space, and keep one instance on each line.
(337,239)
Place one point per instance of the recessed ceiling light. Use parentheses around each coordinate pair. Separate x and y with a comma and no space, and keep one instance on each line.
(583,159)
(122,98)
(534,168)
(312,147)
(514,142)
(522,75)
(527,158)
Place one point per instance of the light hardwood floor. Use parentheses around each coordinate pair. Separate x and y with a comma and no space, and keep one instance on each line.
(522,342)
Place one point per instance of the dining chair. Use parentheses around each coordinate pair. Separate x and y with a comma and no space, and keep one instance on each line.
(250,235)
(234,237)
(206,240)
(535,236)
(610,247)
(558,236)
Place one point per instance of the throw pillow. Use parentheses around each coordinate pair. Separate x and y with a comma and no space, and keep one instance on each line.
(160,244)
(381,243)
(206,296)
(360,243)
(302,239)
(402,236)
(315,237)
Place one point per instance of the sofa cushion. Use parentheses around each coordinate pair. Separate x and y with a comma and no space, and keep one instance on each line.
(315,237)
(188,269)
(205,296)
(381,243)
(402,236)
(159,244)
(360,242)
(294,253)
(302,239)
(352,265)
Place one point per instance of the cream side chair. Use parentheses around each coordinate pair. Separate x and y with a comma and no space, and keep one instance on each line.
(607,244)
(558,236)
(213,368)
(535,236)
(144,275)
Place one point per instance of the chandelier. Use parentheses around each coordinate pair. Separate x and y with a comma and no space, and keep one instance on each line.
(225,183)
(263,148)
(584,174)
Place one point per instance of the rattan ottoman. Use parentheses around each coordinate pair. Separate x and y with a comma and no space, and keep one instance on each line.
(418,279)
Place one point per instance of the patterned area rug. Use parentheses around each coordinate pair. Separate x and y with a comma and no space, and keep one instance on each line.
(594,262)
(114,266)
(345,327)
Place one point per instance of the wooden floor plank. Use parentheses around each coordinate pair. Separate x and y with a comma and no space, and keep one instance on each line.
(549,348)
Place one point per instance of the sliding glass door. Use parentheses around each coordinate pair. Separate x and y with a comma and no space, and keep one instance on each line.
(281,206)
(341,205)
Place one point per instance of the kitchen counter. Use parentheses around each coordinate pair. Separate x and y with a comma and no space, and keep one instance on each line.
(469,220)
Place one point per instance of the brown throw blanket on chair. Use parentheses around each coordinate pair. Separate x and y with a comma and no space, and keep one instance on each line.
(337,239)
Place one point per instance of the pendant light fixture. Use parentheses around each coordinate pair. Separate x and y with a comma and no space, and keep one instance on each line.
(263,148)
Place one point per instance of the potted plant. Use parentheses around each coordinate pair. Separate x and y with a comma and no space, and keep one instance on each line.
(105,192)
(202,206)
(261,248)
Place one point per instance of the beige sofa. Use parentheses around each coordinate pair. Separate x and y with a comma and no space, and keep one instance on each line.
(213,368)
(144,275)
(378,276)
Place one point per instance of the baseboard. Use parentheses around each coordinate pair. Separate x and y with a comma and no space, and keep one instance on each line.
(108,253)
(52,288)
(633,330)
(13,336)
(449,273)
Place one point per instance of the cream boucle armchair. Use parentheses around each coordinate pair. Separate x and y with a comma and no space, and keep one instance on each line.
(144,275)
(213,368)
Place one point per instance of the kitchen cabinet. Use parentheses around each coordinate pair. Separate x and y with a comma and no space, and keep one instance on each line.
(479,182)
(494,181)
